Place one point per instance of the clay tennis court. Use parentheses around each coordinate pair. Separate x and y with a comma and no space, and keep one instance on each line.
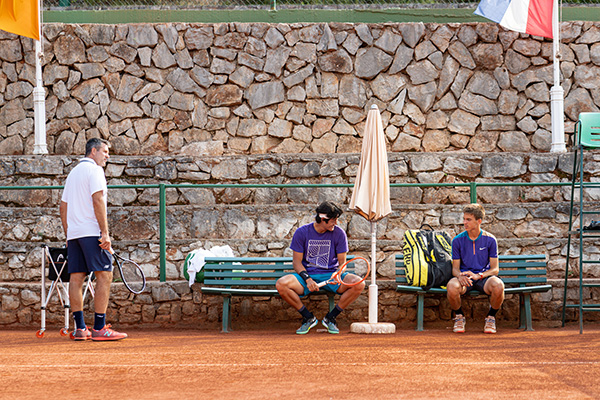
(435,364)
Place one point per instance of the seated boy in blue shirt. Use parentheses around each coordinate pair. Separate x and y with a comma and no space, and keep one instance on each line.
(475,267)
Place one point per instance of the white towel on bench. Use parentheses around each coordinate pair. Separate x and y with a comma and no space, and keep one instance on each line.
(196,261)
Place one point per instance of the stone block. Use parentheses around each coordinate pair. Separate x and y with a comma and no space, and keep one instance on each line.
(425,162)
(69,49)
(370,62)
(263,94)
(338,61)
(507,166)
(40,166)
(460,52)
(514,141)
(199,38)
(276,60)
(323,107)
(163,293)
(461,167)
(542,163)
(140,35)
(302,170)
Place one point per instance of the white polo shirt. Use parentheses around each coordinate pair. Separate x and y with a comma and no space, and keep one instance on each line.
(83,181)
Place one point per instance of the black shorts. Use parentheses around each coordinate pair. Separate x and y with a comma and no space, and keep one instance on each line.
(478,285)
(85,255)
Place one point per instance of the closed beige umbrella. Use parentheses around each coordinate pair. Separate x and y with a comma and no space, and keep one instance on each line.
(371,195)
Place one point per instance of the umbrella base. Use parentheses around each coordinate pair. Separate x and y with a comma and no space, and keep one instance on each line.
(365,327)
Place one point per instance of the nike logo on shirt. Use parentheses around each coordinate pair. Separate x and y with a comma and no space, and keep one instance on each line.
(482,248)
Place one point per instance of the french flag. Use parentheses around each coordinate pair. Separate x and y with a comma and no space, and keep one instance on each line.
(527,16)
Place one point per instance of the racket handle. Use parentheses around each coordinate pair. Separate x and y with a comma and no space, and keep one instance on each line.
(321,284)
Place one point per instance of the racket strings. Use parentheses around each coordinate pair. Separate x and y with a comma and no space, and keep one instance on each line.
(133,276)
(359,262)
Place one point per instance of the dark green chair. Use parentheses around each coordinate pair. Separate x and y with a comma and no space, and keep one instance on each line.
(587,137)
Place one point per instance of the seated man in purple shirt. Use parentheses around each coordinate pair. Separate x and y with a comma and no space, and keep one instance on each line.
(475,267)
(319,249)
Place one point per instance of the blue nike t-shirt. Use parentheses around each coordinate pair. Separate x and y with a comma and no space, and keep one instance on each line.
(319,250)
(474,255)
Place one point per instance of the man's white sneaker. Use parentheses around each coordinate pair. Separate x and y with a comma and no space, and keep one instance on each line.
(490,324)
(459,324)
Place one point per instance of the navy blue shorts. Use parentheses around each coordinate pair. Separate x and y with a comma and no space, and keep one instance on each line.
(85,255)
(478,285)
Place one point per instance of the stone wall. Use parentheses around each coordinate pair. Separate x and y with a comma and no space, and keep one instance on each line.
(293,88)
(284,104)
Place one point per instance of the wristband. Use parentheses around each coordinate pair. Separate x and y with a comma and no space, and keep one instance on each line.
(304,275)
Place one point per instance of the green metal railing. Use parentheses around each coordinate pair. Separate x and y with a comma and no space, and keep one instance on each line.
(162,203)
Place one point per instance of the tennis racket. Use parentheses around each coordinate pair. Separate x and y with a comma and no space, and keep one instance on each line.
(131,273)
(336,278)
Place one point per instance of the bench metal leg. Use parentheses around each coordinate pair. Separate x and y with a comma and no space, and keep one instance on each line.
(420,311)
(525,312)
(226,314)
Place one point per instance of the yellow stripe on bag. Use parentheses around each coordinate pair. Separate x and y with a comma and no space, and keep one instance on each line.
(418,275)
(415,273)
(444,243)
(409,257)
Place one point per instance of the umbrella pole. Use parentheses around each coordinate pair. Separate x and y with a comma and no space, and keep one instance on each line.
(373,285)
(373,326)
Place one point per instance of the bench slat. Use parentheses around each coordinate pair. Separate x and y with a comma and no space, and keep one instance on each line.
(513,290)
(240,292)
(515,264)
(222,278)
(505,256)
(522,257)
(237,283)
(528,289)
(244,275)
(227,266)
(250,292)
(521,272)
(507,281)
(522,264)
(248,259)
(503,272)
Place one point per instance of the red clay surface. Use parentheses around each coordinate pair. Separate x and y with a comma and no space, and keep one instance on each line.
(435,364)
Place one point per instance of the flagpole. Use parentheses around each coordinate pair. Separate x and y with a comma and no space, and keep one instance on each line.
(39,95)
(557,93)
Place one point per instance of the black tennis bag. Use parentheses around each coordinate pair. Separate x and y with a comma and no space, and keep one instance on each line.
(427,257)
(59,258)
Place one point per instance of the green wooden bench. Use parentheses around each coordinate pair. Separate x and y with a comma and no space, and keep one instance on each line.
(522,275)
(248,276)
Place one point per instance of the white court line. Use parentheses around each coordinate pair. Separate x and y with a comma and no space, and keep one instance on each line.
(198,353)
(296,364)
(228,353)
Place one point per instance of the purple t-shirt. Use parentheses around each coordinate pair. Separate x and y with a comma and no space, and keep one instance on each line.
(474,255)
(319,250)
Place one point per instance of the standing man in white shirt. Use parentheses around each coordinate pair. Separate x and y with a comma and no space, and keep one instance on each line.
(84,219)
